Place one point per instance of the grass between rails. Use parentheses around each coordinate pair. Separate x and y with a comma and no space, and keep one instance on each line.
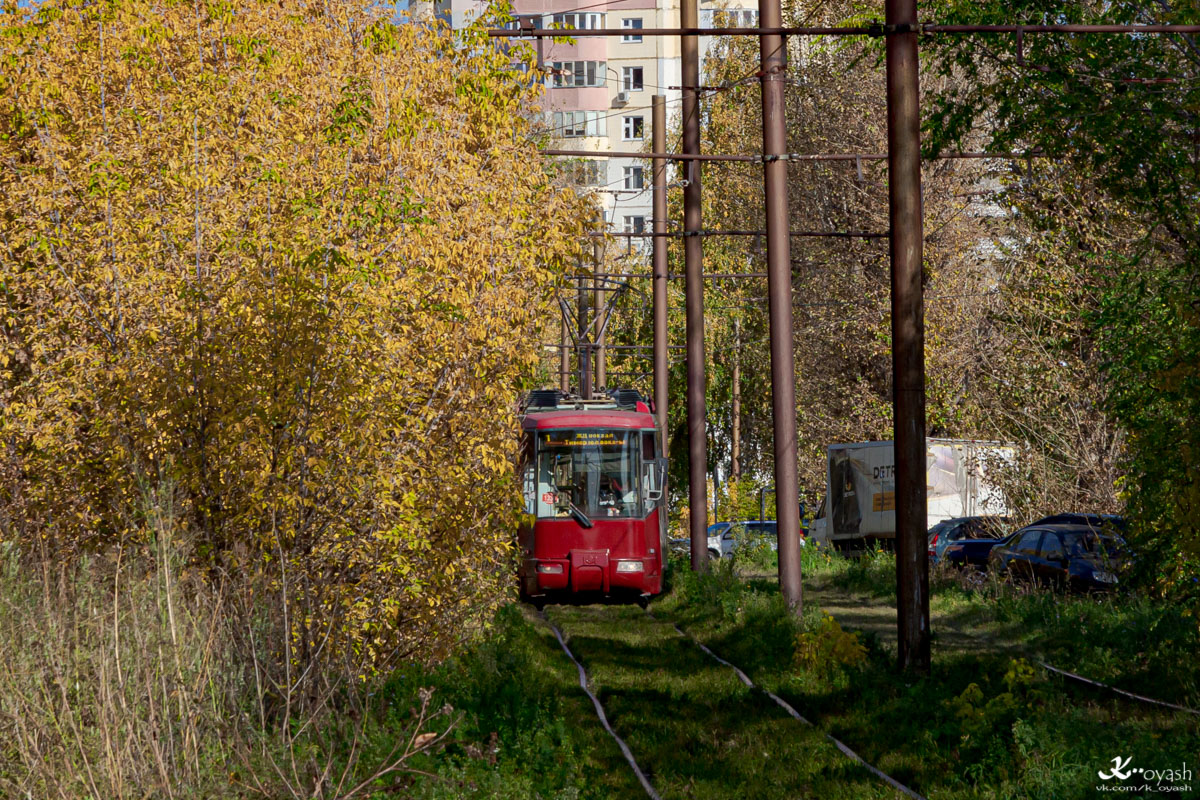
(695,729)
(987,723)
(524,728)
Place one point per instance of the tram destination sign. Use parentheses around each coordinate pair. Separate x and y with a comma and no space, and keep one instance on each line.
(582,439)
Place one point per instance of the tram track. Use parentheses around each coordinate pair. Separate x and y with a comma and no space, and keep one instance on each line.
(696,691)
(583,684)
(796,715)
(690,722)
(959,635)
(689,728)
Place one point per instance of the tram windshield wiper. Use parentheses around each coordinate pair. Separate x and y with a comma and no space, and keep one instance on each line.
(580,517)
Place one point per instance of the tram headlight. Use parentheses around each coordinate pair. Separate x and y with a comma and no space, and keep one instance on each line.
(629,566)
(550,569)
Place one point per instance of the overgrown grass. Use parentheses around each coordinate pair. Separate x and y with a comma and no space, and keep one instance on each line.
(128,675)
(1125,638)
(524,728)
(127,680)
(113,683)
(692,725)
(985,723)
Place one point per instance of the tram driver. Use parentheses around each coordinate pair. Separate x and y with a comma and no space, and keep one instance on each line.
(614,500)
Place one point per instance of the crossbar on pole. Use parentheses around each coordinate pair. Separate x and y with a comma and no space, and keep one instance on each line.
(760,159)
(874,30)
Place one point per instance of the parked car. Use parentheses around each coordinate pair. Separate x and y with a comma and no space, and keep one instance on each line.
(972,552)
(1101,523)
(1062,556)
(680,545)
(720,538)
(723,537)
(991,528)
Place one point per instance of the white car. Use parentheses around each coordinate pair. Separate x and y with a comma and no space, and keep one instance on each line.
(723,537)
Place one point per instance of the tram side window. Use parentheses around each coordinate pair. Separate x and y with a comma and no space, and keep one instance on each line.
(528,474)
(651,480)
(594,470)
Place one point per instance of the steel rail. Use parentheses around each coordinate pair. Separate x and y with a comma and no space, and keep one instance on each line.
(1131,695)
(583,684)
(796,715)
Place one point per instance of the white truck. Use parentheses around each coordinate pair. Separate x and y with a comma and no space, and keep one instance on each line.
(860,488)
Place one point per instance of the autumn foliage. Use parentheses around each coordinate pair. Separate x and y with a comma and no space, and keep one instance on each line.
(279,265)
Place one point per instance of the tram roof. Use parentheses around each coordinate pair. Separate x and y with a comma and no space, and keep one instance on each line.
(600,418)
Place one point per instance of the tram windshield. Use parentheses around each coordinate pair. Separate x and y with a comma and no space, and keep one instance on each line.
(594,470)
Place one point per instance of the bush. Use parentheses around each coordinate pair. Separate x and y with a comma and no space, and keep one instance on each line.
(873,571)
(826,647)
(297,281)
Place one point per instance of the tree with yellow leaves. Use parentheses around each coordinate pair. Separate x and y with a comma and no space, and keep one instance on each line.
(281,266)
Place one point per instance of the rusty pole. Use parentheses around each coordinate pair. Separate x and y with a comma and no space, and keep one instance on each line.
(598,304)
(564,355)
(908,334)
(658,122)
(773,54)
(735,460)
(585,343)
(693,256)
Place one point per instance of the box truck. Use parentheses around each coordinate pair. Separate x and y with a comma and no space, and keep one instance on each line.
(860,488)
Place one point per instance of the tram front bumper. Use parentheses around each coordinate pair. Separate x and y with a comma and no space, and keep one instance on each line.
(590,571)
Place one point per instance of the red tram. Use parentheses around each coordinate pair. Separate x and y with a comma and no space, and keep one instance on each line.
(595,519)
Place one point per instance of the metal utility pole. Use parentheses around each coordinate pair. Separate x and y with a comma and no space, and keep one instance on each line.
(598,304)
(773,54)
(658,123)
(585,345)
(564,355)
(735,461)
(908,333)
(693,256)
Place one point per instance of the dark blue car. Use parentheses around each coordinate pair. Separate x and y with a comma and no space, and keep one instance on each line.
(948,532)
(1062,556)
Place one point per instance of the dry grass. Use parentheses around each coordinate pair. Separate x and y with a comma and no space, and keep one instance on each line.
(126,675)
(115,681)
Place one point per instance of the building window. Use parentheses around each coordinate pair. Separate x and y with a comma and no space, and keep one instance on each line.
(585,172)
(635,224)
(577,73)
(632,24)
(729,18)
(575,124)
(632,128)
(518,20)
(634,177)
(631,79)
(578,22)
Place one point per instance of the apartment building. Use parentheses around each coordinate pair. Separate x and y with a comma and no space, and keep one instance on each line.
(599,88)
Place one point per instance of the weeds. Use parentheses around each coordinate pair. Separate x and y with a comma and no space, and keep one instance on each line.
(873,572)
(984,723)
(116,680)
(125,674)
